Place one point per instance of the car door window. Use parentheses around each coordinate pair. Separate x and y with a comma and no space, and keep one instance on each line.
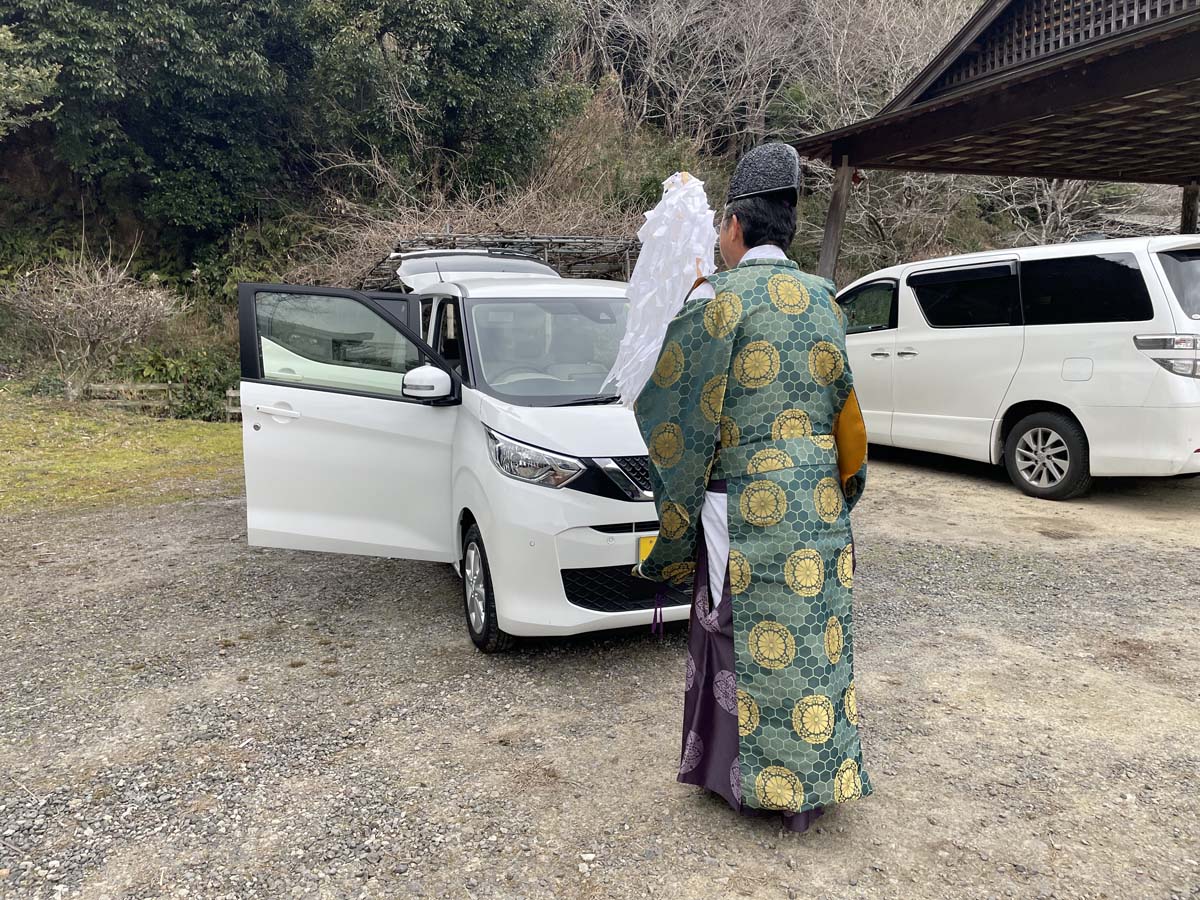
(333,342)
(980,297)
(871,307)
(1085,289)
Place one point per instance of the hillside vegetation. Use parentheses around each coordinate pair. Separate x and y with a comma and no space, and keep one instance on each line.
(202,142)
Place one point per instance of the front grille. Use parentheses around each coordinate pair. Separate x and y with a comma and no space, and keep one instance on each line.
(617,589)
(626,528)
(637,468)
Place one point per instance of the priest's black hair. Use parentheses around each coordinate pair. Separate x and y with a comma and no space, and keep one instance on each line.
(766,219)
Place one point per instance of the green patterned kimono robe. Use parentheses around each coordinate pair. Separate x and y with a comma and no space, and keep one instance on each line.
(752,387)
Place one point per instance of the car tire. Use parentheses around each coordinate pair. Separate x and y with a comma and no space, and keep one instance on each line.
(1047,457)
(479,600)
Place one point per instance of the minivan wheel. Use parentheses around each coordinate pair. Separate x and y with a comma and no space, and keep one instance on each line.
(1046,455)
(479,601)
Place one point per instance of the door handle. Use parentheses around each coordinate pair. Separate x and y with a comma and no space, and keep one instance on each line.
(881,354)
(908,354)
(278,412)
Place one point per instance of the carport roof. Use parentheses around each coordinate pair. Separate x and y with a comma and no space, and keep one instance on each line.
(1104,90)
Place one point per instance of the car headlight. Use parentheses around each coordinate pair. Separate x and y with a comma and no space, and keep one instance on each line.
(531,465)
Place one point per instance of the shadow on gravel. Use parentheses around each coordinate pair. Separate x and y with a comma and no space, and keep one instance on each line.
(950,465)
(1178,490)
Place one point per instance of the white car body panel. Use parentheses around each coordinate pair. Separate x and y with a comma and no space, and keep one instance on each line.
(1140,420)
(388,477)
(948,384)
(348,474)
(872,359)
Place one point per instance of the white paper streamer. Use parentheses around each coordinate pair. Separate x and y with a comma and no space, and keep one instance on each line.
(677,248)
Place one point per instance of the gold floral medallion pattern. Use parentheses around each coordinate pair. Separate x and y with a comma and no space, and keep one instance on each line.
(835,639)
(768,461)
(828,499)
(784,398)
(739,572)
(791,423)
(666,445)
(731,435)
(847,784)
(712,397)
(778,788)
(804,572)
(675,521)
(788,294)
(813,718)
(763,504)
(771,645)
(670,365)
(678,573)
(757,365)
(825,363)
(722,314)
(748,714)
(845,567)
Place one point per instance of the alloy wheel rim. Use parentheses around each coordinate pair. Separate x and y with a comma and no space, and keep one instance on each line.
(473,577)
(1043,458)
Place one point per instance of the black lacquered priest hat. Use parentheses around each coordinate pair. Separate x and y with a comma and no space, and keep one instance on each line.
(767,169)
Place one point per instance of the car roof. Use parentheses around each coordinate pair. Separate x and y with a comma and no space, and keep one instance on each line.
(1042,251)
(527,287)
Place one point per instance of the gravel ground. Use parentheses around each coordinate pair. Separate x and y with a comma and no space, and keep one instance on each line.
(182,715)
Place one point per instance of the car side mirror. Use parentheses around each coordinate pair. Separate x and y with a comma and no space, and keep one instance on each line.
(428,383)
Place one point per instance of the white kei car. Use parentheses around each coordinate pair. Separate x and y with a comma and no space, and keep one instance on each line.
(459,419)
(1059,362)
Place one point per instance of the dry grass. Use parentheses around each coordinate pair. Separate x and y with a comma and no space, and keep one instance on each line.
(55,455)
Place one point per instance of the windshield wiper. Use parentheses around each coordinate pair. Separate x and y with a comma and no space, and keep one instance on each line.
(592,401)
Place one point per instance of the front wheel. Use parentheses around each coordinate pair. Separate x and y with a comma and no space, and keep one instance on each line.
(1047,457)
(478,598)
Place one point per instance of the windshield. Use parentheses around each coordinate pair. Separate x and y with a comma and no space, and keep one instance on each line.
(1183,271)
(545,352)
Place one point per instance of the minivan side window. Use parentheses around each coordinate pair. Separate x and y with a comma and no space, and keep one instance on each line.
(1076,290)
(979,297)
(333,342)
(871,307)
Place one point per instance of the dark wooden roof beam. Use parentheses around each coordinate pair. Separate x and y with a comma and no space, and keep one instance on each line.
(1043,106)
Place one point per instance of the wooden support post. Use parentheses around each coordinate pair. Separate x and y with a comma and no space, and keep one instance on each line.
(1191,210)
(835,219)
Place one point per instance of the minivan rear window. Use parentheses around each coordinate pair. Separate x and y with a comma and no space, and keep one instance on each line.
(969,298)
(1075,290)
(1183,272)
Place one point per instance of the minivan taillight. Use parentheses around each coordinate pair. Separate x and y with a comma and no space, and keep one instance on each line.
(1177,353)
(1168,342)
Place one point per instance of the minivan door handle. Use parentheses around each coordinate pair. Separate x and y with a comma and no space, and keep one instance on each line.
(881,354)
(907,354)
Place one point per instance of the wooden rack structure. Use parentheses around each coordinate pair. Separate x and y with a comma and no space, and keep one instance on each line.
(573,256)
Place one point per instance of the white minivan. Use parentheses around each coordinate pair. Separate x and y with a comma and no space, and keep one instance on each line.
(1061,362)
(456,418)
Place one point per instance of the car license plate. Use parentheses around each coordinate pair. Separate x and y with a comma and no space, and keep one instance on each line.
(645,545)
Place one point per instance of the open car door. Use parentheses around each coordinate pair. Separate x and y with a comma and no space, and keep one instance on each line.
(340,453)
